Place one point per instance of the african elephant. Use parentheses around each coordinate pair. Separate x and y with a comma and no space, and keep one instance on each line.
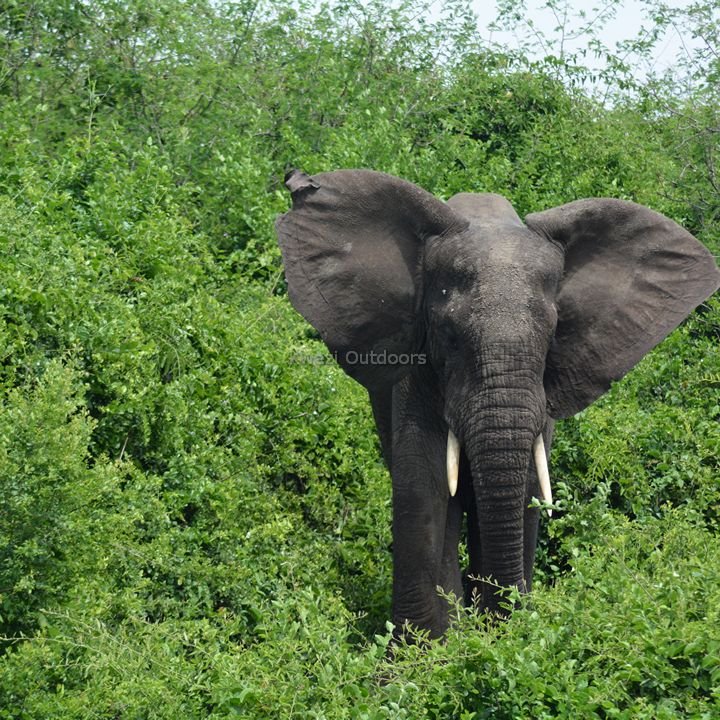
(473,332)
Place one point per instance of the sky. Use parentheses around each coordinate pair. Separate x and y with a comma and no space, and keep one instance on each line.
(627,23)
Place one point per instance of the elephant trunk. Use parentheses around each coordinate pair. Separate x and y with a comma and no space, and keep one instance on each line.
(500,435)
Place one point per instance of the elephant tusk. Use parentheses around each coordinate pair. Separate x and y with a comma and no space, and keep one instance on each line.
(543,473)
(453,462)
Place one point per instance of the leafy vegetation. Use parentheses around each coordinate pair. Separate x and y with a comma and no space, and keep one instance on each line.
(194,518)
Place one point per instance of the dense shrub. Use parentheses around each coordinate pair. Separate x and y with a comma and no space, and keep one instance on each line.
(194,518)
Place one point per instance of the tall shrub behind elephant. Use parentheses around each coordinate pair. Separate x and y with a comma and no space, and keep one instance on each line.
(473,332)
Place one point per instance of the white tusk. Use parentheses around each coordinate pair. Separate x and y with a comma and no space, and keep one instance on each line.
(541,467)
(453,462)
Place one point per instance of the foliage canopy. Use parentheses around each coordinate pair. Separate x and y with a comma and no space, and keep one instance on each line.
(194,520)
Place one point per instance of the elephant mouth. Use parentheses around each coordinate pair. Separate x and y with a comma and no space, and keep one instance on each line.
(539,458)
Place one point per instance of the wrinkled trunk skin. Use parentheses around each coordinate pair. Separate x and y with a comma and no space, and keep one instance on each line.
(501,422)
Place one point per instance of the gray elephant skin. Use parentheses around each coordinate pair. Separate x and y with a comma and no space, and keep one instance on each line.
(472,332)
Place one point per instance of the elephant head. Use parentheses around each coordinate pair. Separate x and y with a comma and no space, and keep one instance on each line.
(472,332)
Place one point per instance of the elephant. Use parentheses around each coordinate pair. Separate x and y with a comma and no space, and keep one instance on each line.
(473,332)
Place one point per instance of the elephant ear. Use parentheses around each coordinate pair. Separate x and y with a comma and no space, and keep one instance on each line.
(631,276)
(352,246)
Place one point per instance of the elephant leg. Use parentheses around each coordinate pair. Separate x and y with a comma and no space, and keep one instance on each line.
(473,574)
(450,577)
(531,522)
(532,515)
(420,513)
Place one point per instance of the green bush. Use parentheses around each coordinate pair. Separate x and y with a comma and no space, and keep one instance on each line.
(194,517)
(630,633)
